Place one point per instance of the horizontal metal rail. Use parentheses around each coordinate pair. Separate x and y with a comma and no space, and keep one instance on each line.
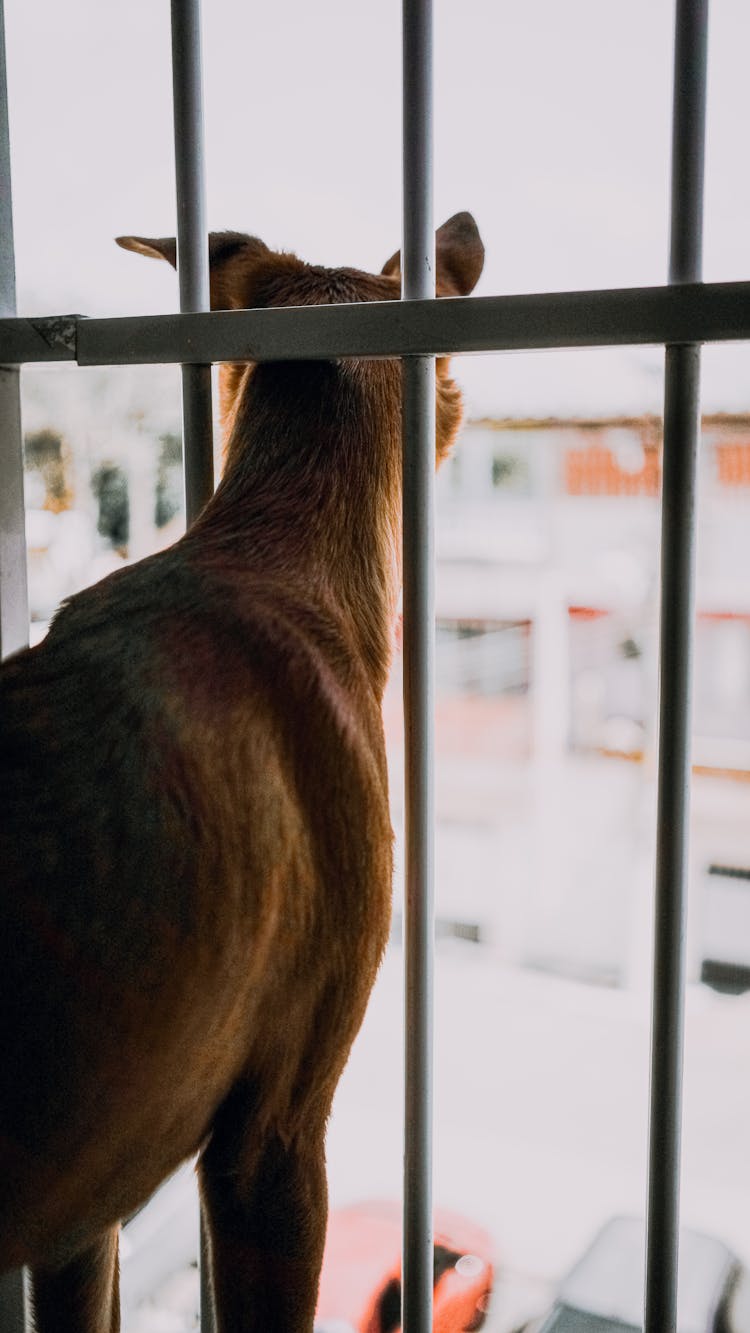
(687,313)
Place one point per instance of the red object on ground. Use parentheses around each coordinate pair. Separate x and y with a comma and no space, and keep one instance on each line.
(361,1278)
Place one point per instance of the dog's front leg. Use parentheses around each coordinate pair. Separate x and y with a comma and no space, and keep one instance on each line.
(266,1211)
(81,1296)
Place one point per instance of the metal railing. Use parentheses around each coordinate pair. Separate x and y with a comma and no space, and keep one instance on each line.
(677,615)
(682,315)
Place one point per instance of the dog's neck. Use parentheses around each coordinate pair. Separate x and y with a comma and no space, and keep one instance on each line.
(311,492)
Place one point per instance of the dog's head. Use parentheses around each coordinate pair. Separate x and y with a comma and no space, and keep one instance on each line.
(245,274)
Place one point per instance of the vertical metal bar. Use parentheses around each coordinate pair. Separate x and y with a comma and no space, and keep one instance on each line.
(681,431)
(208,1322)
(14,605)
(192,244)
(14,609)
(418,282)
(193,273)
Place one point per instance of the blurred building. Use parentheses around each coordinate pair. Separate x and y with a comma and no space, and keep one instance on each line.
(549,531)
(547,607)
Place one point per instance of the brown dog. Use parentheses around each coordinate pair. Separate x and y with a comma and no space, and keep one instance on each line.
(196,846)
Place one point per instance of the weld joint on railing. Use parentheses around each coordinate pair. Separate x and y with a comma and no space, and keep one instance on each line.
(58,331)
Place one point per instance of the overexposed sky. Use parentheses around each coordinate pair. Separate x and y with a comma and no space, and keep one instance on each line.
(552,126)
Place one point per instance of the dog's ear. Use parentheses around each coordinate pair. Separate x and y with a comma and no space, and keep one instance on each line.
(231,256)
(459,256)
(163,247)
(392,266)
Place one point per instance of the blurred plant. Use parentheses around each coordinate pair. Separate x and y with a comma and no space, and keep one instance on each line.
(169,490)
(109,485)
(46,454)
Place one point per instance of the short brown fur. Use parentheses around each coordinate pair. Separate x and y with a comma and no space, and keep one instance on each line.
(196,844)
